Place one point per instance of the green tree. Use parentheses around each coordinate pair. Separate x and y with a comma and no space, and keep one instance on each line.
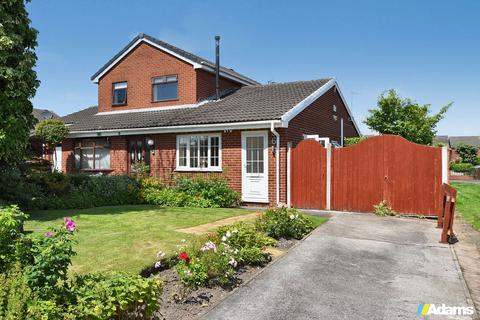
(18,80)
(404,117)
(467,153)
(53,132)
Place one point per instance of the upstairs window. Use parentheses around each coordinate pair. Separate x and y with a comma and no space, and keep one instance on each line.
(165,88)
(199,152)
(119,93)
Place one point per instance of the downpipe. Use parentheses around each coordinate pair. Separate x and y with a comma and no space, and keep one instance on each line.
(277,163)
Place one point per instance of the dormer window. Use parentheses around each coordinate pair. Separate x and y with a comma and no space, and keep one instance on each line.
(165,88)
(119,93)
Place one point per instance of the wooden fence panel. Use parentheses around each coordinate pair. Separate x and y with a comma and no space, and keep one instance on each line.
(357,176)
(308,171)
(407,175)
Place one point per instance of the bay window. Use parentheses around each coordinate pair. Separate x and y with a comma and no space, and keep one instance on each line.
(92,154)
(199,152)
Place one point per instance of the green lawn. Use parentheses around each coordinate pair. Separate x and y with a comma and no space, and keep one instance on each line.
(468,202)
(126,238)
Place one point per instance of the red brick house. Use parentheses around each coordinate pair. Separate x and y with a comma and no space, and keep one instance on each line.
(157,104)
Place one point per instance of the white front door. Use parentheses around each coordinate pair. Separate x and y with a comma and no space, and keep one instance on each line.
(57,159)
(255,166)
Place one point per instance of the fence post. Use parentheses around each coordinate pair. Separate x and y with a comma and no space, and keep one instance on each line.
(445,165)
(289,181)
(328,176)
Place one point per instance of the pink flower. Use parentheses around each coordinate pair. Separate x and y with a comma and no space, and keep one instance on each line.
(49,234)
(69,225)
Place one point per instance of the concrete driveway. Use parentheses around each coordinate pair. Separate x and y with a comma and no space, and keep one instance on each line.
(356,266)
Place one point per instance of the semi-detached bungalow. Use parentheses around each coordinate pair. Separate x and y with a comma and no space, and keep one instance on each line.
(159,105)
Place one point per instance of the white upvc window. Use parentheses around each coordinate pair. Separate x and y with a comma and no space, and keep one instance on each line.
(199,152)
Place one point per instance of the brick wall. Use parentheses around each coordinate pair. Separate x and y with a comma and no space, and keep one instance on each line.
(68,161)
(141,65)
(206,84)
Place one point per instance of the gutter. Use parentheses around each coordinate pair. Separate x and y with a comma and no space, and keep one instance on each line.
(277,162)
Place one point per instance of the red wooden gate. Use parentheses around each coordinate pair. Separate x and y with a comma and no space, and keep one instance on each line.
(406,175)
(308,168)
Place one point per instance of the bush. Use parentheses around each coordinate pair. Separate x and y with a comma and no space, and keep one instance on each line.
(14,294)
(353,140)
(115,295)
(285,223)
(215,191)
(51,255)
(11,227)
(247,243)
(467,153)
(382,209)
(76,191)
(199,193)
(461,167)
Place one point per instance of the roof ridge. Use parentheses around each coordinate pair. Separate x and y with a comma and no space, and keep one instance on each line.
(288,82)
(181,52)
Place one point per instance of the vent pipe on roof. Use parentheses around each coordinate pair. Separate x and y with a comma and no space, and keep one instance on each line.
(217,67)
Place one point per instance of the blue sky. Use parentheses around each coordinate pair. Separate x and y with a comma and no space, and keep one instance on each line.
(427,50)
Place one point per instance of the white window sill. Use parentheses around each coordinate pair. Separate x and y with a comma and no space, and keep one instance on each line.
(198,169)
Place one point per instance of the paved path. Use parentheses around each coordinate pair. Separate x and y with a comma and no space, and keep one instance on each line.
(356,266)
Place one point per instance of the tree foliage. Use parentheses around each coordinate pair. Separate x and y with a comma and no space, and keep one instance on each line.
(52,131)
(18,80)
(404,117)
(467,153)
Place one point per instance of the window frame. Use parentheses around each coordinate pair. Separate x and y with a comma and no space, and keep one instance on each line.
(192,169)
(166,77)
(94,147)
(113,94)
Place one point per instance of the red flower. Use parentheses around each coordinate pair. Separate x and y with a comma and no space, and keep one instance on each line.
(184,256)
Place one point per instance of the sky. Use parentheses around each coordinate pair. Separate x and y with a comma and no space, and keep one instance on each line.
(427,50)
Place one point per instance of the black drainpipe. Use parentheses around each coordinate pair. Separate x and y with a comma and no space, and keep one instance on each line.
(217,67)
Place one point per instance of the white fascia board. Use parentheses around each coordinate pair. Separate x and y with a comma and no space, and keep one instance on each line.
(292,113)
(177,129)
(194,64)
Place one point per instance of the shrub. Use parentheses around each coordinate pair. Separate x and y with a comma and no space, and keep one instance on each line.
(467,153)
(247,243)
(76,191)
(461,167)
(350,141)
(14,294)
(382,209)
(215,191)
(285,223)
(11,226)
(51,255)
(241,234)
(115,295)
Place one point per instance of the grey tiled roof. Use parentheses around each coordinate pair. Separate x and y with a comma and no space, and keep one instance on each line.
(441,139)
(455,141)
(180,52)
(249,103)
(42,114)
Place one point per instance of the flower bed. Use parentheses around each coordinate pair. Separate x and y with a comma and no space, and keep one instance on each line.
(204,270)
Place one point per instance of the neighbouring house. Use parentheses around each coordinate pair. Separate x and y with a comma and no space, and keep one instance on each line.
(37,147)
(454,141)
(158,104)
